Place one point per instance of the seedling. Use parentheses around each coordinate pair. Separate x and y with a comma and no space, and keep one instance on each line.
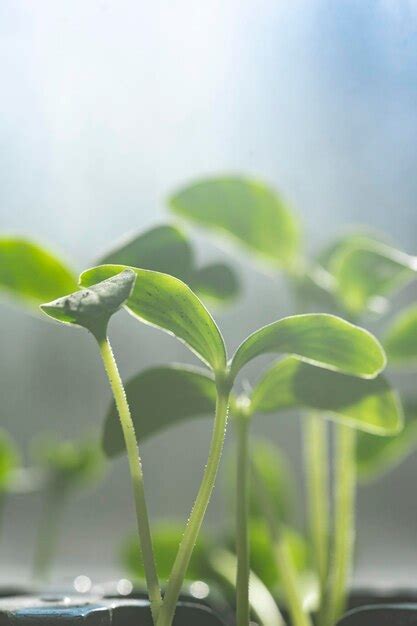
(326,341)
(354,275)
(67,466)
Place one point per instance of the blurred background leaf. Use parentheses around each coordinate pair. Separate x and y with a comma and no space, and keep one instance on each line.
(401,339)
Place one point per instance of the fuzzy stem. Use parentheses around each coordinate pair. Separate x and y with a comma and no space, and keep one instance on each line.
(284,562)
(195,520)
(344,522)
(317,480)
(136,474)
(55,497)
(242,513)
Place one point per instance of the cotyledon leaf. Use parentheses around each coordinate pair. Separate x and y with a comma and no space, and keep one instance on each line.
(161,397)
(215,282)
(32,274)
(167,303)
(247,211)
(320,339)
(368,405)
(401,338)
(92,308)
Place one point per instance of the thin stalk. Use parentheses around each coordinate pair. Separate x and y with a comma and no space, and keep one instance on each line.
(45,549)
(242,514)
(284,562)
(317,483)
(136,474)
(195,520)
(344,522)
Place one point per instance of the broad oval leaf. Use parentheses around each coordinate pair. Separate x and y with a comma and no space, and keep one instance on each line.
(245,210)
(93,307)
(32,274)
(378,455)
(401,339)
(320,339)
(159,398)
(168,303)
(166,538)
(368,405)
(164,248)
(368,271)
(215,283)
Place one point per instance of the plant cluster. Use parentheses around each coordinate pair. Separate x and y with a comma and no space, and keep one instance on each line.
(329,370)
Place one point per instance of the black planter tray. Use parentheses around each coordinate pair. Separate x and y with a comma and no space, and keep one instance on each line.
(382,615)
(95,611)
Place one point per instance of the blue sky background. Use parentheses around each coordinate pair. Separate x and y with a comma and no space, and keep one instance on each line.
(105,109)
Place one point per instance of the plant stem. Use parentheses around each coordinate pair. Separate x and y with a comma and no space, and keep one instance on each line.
(242,514)
(195,520)
(55,497)
(344,519)
(284,562)
(317,480)
(136,474)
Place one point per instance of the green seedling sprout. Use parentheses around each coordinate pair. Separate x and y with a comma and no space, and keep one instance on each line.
(353,276)
(320,341)
(67,466)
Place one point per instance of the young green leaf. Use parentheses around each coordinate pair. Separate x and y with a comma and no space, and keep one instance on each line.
(245,210)
(159,398)
(320,339)
(166,539)
(369,405)
(378,455)
(9,460)
(370,270)
(93,307)
(401,339)
(70,463)
(167,303)
(161,249)
(32,274)
(215,282)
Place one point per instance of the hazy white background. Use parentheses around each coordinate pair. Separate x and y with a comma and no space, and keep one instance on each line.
(105,108)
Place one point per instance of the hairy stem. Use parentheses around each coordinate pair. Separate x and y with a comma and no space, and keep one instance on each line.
(45,549)
(136,474)
(284,562)
(242,513)
(195,520)
(317,481)
(344,523)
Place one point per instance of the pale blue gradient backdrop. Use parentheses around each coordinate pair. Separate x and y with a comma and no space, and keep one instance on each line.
(108,106)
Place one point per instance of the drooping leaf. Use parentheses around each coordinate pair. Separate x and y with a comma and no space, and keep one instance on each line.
(168,303)
(161,249)
(166,538)
(368,271)
(69,463)
(377,455)
(369,405)
(215,282)
(245,210)
(401,339)
(9,460)
(320,339)
(161,397)
(93,307)
(32,274)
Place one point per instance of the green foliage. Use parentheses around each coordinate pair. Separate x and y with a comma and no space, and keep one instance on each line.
(376,456)
(245,210)
(9,460)
(321,339)
(215,283)
(369,405)
(401,339)
(168,303)
(69,463)
(93,307)
(159,398)
(166,539)
(32,274)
